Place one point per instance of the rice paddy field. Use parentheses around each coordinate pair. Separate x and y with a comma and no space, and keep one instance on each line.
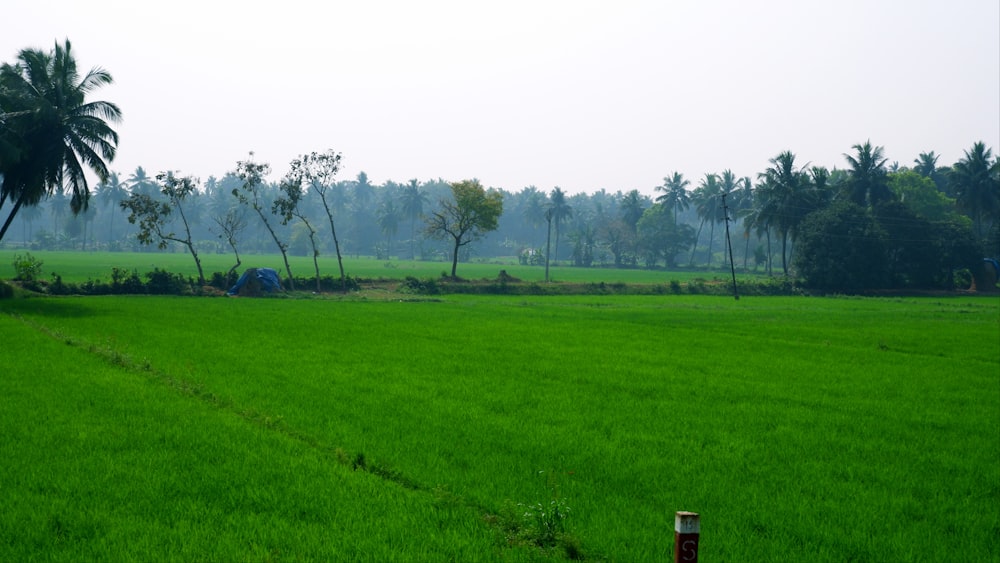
(499,428)
(78,267)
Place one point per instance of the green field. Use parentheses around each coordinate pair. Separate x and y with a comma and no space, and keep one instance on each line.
(77,267)
(801,429)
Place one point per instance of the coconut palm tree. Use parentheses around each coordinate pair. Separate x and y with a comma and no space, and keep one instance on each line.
(868,184)
(413,200)
(926,166)
(56,132)
(786,197)
(632,208)
(559,211)
(110,194)
(675,195)
(140,183)
(706,203)
(975,181)
(387,216)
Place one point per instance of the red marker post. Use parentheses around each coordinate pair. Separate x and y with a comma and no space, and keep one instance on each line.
(687,527)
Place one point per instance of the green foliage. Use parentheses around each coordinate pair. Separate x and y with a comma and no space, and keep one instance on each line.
(162,282)
(841,248)
(27,268)
(471,213)
(49,131)
(426,286)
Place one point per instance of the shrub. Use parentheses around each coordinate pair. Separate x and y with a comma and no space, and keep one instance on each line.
(26,267)
(413,285)
(162,282)
(123,282)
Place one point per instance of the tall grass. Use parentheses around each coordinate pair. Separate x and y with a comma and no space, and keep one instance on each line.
(800,428)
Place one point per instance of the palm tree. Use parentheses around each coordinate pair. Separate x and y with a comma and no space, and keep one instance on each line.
(412,201)
(975,181)
(56,131)
(387,215)
(926,166)
(110,194)
(786,197)
(741,205)
(868,185)
(29,215)
(675,195)
(559,211)
(706,203)
(533,210)
(140,183)
(631,209)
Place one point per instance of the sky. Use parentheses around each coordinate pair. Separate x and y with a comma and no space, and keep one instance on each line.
(580,94)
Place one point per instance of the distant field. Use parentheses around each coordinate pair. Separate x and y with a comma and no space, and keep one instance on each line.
(76,267)
(802,429)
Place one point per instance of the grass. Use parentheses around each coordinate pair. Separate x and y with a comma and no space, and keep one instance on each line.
(78,267)
(800,428)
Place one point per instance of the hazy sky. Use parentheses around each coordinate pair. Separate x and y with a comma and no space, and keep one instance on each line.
(578,94)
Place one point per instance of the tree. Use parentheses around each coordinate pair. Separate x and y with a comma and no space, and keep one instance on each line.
(413,201)
(231,223)
(583,239)
(706,202)
(921,195)
(632,206)
(926,166)
(742,205)
(868,184)
(251,194)
(49,131)
(468,216)
(110,194)
(387,217)
(785,197)
(289,205)
(975,182)
(560,212)
(153,216)
(318,170)
(659,237)
(533,211)
(675,195)
(841,248)
(140,182)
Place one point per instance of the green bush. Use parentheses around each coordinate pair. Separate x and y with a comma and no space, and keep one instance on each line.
(162,282)
(27,268)
(414,285)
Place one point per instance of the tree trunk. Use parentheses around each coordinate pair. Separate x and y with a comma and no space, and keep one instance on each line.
(336,244)
(454,258)
(281,247)
(784,259)
(711,239)
(696,237)
(6,224)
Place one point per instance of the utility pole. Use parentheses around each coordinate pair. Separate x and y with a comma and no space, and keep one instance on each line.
(729,244)
(548,242)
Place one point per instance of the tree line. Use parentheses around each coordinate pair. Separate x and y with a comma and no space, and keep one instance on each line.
(871,224)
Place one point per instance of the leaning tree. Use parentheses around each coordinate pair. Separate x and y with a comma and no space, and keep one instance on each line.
(49,132)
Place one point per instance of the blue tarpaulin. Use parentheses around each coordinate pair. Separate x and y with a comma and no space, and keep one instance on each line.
(267,277)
